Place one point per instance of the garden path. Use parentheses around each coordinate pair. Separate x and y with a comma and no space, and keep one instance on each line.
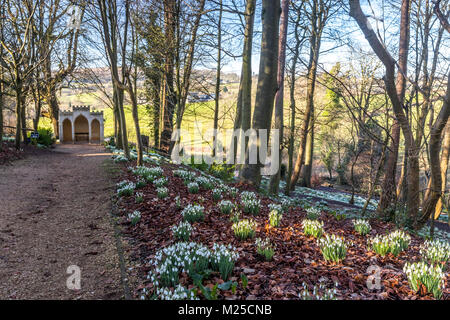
(54,213)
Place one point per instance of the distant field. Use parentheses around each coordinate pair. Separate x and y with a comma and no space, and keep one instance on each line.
(200,113)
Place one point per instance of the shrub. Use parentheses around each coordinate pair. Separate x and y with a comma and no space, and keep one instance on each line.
(223,259)
(45,137)
(312,228)
(139,197)
(361,226)
(333,248)
(265,249)
(203,166)
(160,182)
(193,213)
(313,213)
(436,252)
(226,206)
(193,187)
(431,277)
(134,217)
(182,231)
(162,192)
(244,229)
(222,171)
(217,194)
(275,218)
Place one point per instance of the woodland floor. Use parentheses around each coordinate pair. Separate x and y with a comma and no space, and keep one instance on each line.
(297,258)
(55,212)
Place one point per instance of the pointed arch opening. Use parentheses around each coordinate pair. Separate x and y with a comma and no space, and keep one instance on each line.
(67,130)
(81,129)
(95,130)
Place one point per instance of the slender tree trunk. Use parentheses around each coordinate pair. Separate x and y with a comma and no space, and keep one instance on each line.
(118,129)
(444,167)
(169,89)
(156,101)
(309,152)
(292,124)
(377,177)
(217,88)
(134,112)
(37,107)
(245,102)
(18,116)
(292,105)
(188,67)
(237,123)
(2,86)
(267,85)
(54,111)
(305,128)
(389,79)
(275,179)
(386,206)
(429,205)
(1,109)
(23,118)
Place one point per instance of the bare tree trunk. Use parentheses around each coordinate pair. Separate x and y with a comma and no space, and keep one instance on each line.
(2,86)
(244,104)
(377,176)
(188,67)
(275,179)
(134,112)
(156,106)
(310,86)
(23,118)
(309,151)
(217,88)
(429,205)
(444,167)
(109,16)
(442,18)
(386,206)
(18,116)
(267,84)
(1,115)
(169,89)
(296,54)
(352,175)
(1,106)
(389,63)
(292,124)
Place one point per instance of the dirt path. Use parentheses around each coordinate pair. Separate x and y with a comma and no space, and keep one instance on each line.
(54,212)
